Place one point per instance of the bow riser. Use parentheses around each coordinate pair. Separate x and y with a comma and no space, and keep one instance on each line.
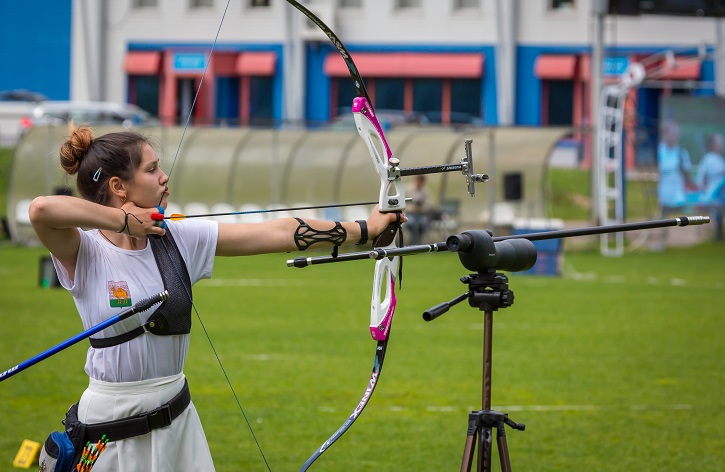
(392,194)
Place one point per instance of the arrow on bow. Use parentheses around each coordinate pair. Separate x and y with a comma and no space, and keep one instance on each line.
(180,216)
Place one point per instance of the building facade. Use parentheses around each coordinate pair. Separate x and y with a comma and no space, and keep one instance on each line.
(490,62)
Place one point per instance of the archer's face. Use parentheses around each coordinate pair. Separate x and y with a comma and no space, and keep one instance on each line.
(148,187)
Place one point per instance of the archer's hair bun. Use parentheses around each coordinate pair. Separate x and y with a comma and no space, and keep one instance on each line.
(75,147)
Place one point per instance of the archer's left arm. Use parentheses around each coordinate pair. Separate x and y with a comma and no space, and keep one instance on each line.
(289,234)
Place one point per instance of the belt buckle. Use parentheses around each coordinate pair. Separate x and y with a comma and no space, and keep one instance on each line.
(160,417)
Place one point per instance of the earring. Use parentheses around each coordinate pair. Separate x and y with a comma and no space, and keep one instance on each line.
(123,199)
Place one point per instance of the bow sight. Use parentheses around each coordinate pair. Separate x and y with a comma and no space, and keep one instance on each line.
(465,167)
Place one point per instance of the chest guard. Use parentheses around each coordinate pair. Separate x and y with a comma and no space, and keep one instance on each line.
(174,315)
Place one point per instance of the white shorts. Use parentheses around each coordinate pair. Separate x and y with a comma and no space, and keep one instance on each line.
(179,447)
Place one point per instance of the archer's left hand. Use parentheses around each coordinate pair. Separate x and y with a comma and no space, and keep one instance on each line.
(378,221)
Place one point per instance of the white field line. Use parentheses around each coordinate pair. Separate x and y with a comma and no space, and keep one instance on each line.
(252,282)
(570,273)
(509,408)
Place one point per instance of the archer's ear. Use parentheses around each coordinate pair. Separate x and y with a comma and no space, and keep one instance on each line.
(117,187)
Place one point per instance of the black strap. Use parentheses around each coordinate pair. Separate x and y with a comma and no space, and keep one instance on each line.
(174,315)
(140,424)
(363,232)
(115,340)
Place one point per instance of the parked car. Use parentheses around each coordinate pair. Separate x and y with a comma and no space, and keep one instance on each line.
(388,119)
(92,113)
(457,119)
(14,104)
(21,95)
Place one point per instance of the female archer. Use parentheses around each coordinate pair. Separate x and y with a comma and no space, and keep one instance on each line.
(109,252)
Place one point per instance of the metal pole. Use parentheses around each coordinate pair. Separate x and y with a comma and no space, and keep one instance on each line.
(598,12)
(380,253)
(720,57)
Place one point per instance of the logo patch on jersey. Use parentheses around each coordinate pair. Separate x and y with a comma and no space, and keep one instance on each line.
(119,294)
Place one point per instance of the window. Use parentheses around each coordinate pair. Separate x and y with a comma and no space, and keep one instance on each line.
(559,98)
(443,101)
(258,3)
(466,4)
(344,93)
(349,3)
(145,3)
(562,4)
(428,98)
(405,4)
(390,94)
(201,3)
(144,92)
(466,101)
(261,96)
(227,101)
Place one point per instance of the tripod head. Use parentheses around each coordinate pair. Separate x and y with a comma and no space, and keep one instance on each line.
(487,289)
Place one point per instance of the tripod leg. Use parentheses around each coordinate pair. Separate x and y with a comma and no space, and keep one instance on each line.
(503,449)
(470,447)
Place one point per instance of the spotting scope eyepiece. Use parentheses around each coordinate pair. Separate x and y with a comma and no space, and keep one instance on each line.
(478,252)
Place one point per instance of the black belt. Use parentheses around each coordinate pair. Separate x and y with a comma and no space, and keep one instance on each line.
(140,424)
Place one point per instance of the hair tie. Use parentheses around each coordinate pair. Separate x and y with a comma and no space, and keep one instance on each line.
(97,175)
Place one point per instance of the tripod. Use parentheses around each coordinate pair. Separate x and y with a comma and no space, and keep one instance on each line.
(488,291)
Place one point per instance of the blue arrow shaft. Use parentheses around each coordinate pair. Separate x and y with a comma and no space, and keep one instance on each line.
(138,307)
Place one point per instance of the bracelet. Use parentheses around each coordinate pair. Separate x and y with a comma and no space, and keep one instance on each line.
(125,222)
(363,232)
(126,227)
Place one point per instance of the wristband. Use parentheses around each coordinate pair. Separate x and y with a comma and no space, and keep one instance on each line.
(363,232)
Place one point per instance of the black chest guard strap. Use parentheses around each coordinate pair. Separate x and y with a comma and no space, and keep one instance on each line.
(174,315)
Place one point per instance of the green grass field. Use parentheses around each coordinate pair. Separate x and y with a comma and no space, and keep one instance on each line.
(618,365)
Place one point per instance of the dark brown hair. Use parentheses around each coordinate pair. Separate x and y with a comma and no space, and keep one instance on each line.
(96,160)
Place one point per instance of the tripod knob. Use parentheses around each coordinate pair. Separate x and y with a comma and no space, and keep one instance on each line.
(507,298)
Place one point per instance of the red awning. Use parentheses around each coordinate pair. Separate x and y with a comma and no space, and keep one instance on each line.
(555,67)
(142,63)
(256,63)
(418,65)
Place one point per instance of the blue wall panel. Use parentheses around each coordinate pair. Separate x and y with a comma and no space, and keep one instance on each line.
(35,46)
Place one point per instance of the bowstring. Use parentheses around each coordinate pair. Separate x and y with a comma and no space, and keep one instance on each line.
(219,361)
(198,316)
(198,90)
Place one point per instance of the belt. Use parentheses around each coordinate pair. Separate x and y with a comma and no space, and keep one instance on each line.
(140,424)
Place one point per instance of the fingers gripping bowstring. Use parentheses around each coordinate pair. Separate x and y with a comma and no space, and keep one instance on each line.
(176,269)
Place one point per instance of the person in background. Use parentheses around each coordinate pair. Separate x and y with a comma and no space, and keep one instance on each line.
(109,253)
(710,179)
(674,165)
(418,211)
(710,174)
